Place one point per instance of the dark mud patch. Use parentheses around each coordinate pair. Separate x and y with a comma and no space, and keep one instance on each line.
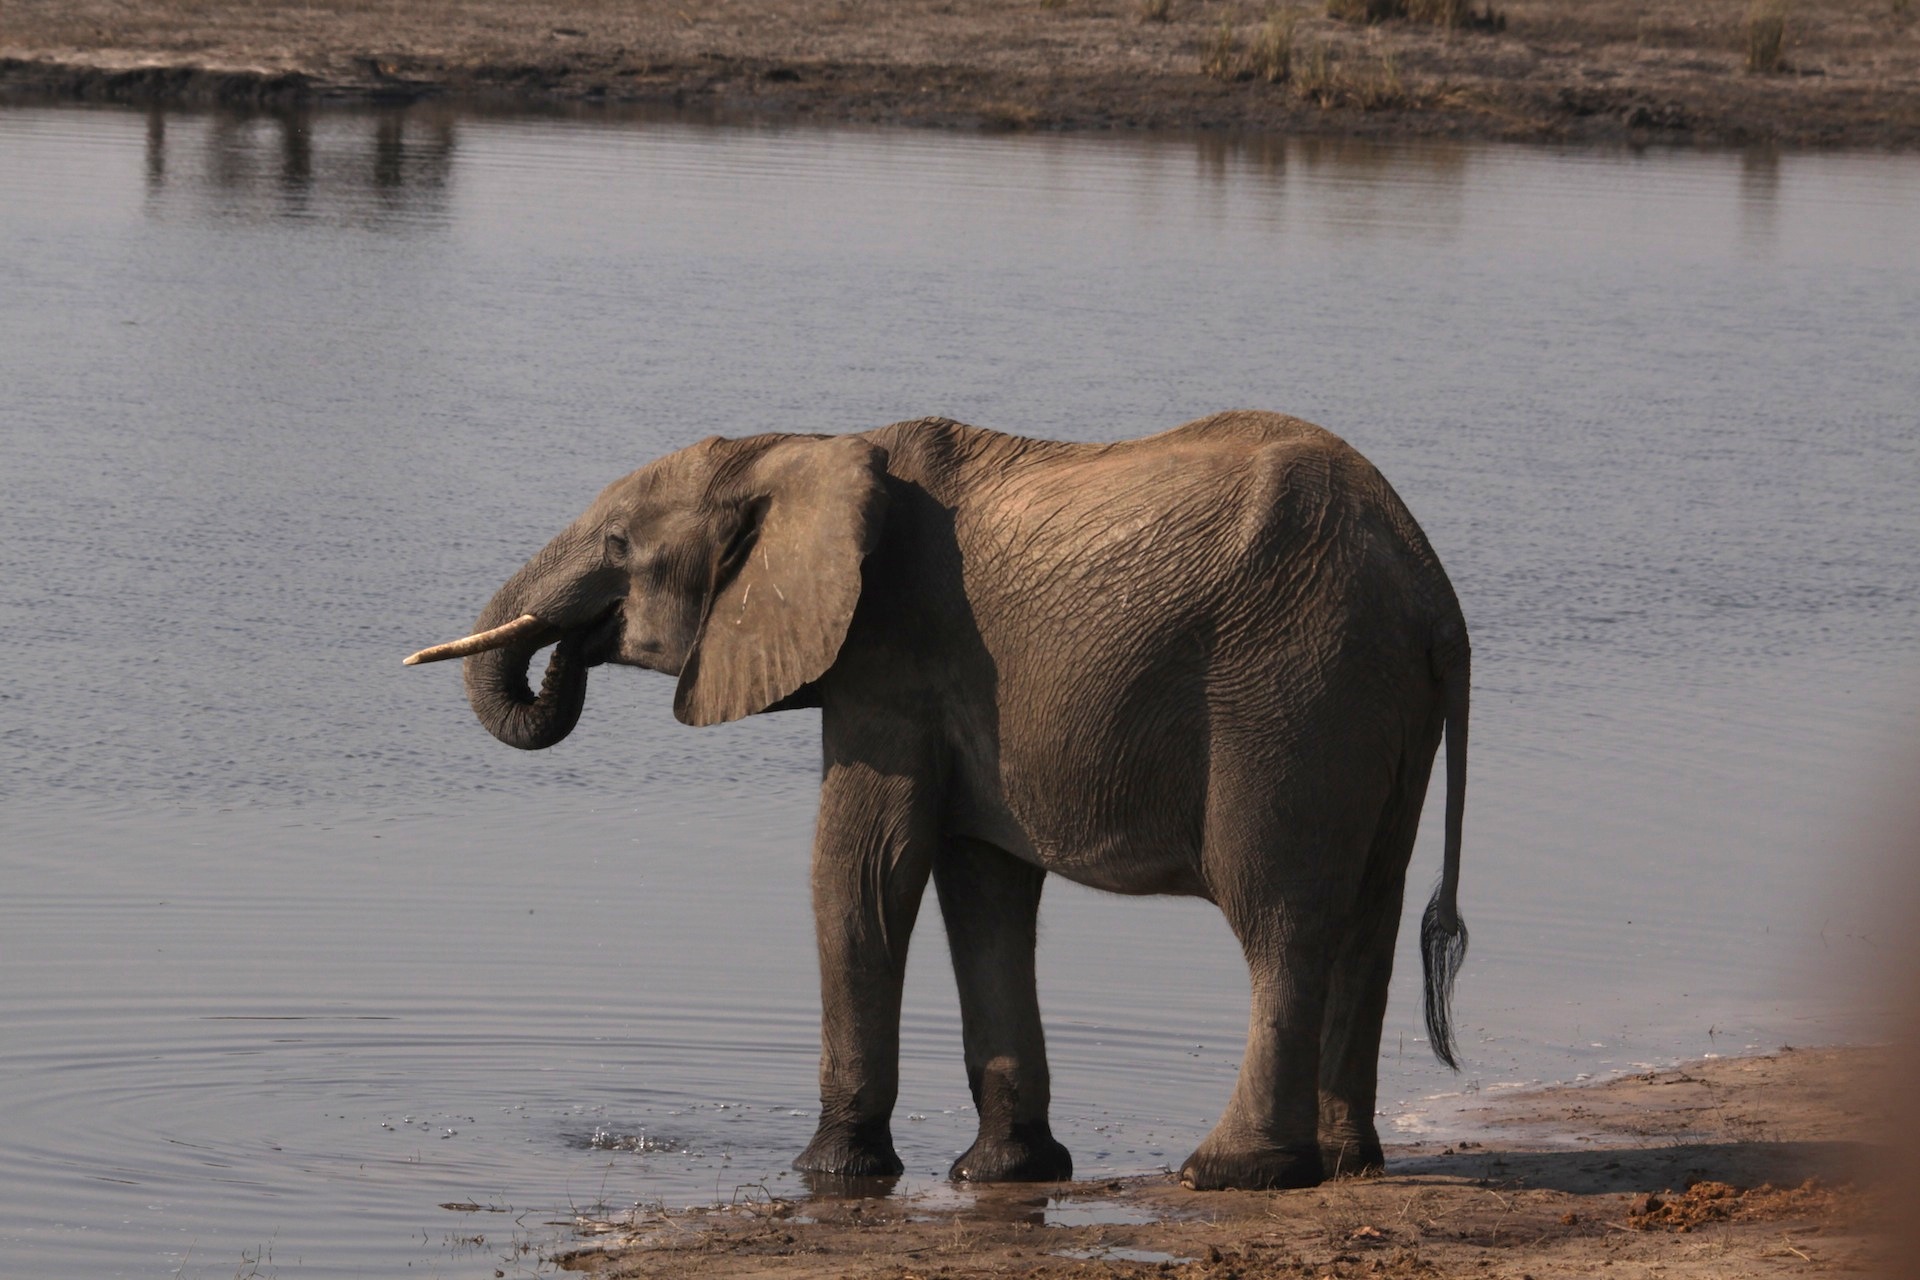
(1707,1202)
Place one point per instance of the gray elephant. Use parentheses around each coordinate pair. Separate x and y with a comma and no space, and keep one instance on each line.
(1217,661)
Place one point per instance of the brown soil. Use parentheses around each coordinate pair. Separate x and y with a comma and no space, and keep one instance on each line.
(1745,1167)
(1643,70)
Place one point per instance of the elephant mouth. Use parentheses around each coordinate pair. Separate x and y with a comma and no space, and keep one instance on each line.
(599,640)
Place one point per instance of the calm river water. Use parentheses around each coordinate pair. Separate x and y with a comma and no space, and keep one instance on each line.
(292,955)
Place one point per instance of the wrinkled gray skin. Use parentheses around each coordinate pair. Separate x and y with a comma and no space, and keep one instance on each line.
(1214,662)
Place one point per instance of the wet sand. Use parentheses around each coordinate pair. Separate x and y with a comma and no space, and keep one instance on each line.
(1732,1167)
(1606,70)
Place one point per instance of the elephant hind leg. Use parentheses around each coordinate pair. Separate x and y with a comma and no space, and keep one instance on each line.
(1357,989)
(990,902)
(1288,854)
(1276,865)
(1268,1136)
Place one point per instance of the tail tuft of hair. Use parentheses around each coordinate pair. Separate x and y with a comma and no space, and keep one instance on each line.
(1443,947)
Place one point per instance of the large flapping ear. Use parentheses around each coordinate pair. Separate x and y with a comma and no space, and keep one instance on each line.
(788,587)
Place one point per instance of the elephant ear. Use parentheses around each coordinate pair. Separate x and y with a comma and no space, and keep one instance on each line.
(789,582)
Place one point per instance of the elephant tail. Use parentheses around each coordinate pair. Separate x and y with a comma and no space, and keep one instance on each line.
(1443,934)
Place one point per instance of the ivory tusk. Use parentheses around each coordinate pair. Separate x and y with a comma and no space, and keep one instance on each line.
(498,638)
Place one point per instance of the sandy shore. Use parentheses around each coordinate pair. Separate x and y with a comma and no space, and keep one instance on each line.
(1636,70)
(1728,1168)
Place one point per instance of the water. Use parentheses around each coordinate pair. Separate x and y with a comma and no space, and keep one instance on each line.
(292,954)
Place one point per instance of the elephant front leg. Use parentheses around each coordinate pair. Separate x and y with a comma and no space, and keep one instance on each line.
(990,902)
(872,852)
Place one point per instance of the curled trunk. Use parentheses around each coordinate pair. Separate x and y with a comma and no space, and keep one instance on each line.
(498,691)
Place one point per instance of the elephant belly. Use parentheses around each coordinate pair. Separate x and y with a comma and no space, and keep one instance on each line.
(1124,866)
(1106,818)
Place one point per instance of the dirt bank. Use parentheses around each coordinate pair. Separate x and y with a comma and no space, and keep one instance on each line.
(1744,1167)
(1641,70)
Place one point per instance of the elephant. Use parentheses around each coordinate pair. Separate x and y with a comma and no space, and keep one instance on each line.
(1217,661)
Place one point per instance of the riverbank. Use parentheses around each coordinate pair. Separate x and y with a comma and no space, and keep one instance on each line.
(1732,1167)
(1845,72)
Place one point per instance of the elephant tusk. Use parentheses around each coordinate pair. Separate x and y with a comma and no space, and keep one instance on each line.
(498,638)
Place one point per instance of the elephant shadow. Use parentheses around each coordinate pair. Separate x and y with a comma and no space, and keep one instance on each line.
(1604,1170)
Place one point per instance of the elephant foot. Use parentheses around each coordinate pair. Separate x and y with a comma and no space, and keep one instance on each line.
(1028,1154)
(851,1151)
(1351,1155)
(1215,1167)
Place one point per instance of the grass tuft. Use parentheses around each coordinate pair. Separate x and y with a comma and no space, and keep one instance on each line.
(1324,80)
(1273,47)
(1384,88)
(1155,10)
(1315,71)
(1317,78)
(1767,37)
(1221,56)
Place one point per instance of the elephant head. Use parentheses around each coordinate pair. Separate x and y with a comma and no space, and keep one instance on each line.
(734,565)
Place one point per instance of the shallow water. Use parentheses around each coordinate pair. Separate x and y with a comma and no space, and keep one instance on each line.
(292,954)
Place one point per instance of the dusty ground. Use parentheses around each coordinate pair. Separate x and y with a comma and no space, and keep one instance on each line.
(1652,70)
(1731,1168)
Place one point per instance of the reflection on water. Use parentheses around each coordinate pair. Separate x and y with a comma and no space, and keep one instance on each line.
(292,955)
(1759,194)
(1369,188)
(302,163)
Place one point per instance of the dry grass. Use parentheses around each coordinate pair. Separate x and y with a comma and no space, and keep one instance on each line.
(1767,36)
(1221,56)
(1380,86)
(1268,58)
(1314,80)
(1328,81)
(1155,10)
(1273,47)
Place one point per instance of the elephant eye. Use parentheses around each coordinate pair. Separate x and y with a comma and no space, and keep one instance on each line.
(618,546)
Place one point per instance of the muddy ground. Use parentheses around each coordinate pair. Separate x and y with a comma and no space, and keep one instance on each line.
(1773,1166)
(1636,70)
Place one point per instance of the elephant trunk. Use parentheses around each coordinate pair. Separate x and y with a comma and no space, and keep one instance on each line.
(497,682)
